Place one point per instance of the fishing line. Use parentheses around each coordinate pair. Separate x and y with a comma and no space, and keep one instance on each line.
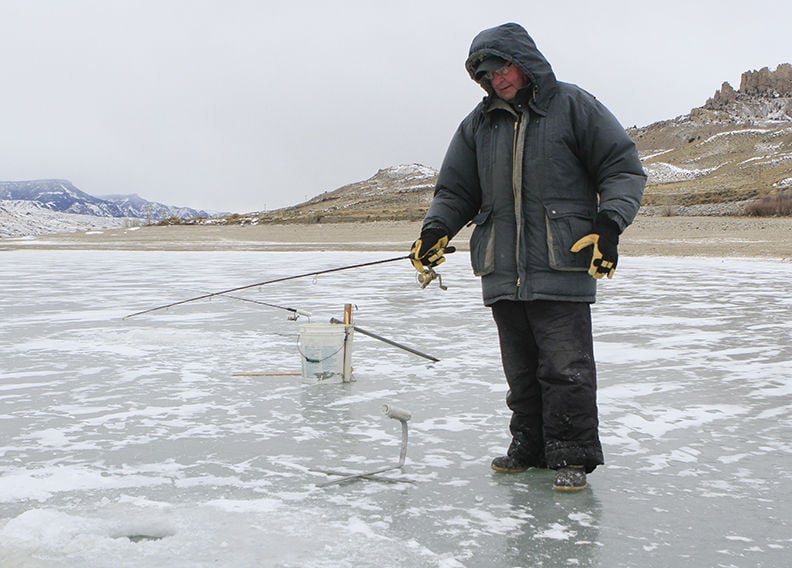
(295,311)
(430,275)
(273,281)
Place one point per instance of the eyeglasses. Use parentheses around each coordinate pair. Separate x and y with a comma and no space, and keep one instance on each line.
(501,72)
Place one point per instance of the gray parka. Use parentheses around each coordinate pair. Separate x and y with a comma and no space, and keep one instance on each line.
(531,176)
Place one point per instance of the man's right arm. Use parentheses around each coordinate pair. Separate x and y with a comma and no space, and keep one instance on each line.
(457,196)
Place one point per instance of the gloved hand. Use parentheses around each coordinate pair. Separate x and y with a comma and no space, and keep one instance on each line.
(428,249)
(605,240)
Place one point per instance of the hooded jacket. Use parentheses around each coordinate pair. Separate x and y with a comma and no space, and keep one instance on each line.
(532,176)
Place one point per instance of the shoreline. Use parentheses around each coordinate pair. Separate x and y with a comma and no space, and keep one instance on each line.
(762,237)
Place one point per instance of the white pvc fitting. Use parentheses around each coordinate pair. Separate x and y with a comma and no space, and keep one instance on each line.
(396,413)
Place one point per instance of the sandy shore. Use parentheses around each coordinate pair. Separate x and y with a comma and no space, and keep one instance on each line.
(677,236)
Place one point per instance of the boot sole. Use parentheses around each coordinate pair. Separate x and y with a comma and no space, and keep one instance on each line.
(569,488)
(508,470)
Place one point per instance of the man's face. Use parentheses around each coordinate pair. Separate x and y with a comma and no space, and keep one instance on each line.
(507,81)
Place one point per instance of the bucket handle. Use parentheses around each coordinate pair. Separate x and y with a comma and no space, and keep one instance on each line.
(310,360)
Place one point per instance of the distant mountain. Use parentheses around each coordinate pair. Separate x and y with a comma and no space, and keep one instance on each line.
(62,196)
(20,218)
(58,195)
(46,206)
(135,206)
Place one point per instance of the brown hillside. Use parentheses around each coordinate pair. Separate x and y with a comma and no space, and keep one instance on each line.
(392,194)
(736,147)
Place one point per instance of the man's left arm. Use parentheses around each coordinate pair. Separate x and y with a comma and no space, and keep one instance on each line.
(611,158)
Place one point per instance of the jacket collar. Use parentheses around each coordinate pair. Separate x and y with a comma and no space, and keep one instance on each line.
(524,100)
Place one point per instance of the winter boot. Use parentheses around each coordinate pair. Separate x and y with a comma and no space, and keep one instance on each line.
(508,464)
(570,478)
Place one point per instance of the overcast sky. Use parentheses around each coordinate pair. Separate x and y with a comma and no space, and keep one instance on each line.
(243,105)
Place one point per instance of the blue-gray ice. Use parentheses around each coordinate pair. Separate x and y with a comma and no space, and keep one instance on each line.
(144,442)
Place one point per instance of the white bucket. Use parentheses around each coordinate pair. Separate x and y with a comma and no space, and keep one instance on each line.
(326,350)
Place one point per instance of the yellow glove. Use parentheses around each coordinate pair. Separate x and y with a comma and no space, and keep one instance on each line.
(428,249)
(605,240)
(599,266)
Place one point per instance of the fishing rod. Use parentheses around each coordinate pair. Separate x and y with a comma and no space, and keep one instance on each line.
(424,282)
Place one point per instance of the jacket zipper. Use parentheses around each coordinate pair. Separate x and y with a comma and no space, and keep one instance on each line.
(518,145)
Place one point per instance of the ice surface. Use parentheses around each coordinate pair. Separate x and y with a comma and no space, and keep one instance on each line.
(138,443)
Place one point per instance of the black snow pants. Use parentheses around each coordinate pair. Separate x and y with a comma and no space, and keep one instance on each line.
(548,358)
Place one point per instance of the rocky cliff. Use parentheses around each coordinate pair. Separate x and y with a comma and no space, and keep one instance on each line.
(763,95)
(762,83)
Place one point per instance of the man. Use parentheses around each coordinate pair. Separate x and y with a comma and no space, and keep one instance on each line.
(550,179)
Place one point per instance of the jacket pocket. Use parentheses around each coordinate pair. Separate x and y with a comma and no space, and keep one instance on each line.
(565,226)
(482,244)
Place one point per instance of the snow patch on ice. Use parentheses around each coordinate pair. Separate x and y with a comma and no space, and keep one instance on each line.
(556,532)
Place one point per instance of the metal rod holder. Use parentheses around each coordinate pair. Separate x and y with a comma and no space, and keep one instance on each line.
(390,411)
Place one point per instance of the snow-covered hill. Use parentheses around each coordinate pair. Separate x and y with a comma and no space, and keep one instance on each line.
(135,206)
(400,192)
(29,218)
(36,207)
(58,195)
(62,195)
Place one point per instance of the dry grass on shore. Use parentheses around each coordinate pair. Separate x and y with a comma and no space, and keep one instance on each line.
(769,237)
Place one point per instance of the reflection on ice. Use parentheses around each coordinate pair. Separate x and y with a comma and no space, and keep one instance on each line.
(180,438)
